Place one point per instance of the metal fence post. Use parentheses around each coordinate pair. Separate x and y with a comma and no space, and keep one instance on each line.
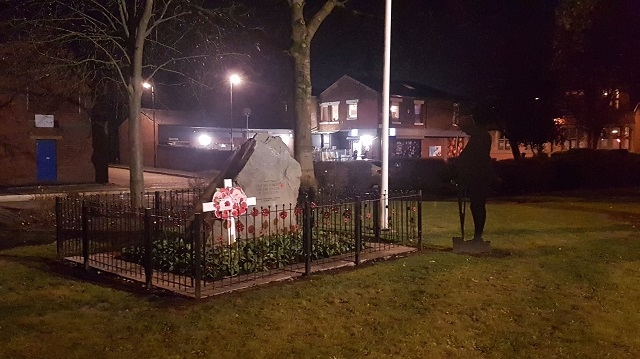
(197,246)
(85,235)
(376,220)
(156,203)
(59,227)
(307,237)
(420,220)
(148,248)
(358,228)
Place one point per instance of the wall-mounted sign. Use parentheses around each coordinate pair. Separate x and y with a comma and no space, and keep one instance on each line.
(435,151)
(44,120)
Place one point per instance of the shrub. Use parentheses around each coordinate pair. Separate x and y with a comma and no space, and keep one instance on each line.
(173,254)
(344,179)
(569,170)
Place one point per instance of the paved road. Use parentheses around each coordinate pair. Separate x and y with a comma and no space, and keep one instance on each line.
(152,180)
(155,180)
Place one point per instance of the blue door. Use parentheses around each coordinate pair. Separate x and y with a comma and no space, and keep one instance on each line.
(46,160)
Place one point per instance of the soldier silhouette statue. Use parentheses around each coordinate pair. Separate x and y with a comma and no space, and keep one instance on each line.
(474,173)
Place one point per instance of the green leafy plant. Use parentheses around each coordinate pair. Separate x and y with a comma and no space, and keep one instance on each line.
(171,253)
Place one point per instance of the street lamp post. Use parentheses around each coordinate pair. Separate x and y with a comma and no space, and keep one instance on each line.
(148,85)
(233,79)
(246,112)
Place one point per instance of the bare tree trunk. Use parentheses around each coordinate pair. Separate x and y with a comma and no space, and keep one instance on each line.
(302,145)
(136,177)
(301,34)
(515,149)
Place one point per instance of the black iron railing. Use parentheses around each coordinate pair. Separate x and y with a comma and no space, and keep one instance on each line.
(167,246)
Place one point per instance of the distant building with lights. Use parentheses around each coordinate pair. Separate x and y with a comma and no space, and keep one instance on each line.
(188,140)
(349,116)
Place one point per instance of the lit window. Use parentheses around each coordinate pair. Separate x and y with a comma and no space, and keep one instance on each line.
(334,113)
(503,143)
(394,110)
(418,107)
(324,114)
(329,111)
(353,109)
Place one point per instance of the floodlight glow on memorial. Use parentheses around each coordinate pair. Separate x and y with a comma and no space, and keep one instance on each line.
(204,140)
(367,140)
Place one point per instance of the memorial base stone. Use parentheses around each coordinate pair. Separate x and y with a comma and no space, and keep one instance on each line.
(471,246)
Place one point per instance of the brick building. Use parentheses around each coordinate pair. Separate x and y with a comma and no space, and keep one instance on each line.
(46,132)
(421,120)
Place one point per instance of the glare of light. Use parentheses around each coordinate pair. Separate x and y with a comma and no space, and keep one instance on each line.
(618,140)
(235,79)
(146,85)
(367,140)
(537,98)
(204,140)
(285,137)
(392,131)
(614,131)
(354,132)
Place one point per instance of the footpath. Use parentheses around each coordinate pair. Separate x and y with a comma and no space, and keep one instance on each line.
(34,192)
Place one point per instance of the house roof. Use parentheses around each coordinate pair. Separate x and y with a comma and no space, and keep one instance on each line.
(401,88)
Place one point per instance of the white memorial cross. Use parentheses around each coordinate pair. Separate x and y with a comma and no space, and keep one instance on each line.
(226,204)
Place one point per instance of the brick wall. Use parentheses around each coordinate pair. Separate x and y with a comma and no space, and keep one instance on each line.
(19,135)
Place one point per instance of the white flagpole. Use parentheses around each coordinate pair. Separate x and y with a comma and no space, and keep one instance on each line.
(384,188)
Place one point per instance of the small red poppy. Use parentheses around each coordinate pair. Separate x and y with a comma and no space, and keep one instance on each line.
(283,214)
(265,212)
(255,212)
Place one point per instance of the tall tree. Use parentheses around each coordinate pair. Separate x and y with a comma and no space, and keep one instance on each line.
(302,32)
(596,53)
(126,42)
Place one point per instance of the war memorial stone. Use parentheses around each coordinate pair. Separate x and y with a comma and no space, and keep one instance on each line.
(263,168)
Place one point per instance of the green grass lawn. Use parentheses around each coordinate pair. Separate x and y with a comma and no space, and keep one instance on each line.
(564,283)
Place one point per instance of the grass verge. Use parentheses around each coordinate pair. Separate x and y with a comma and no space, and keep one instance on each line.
(564,285)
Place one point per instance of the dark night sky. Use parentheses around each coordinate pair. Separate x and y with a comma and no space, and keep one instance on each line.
(461,46)
(465,47)
(468,48)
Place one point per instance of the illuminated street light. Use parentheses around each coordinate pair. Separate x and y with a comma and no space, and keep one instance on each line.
(233,79)
(204,140)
